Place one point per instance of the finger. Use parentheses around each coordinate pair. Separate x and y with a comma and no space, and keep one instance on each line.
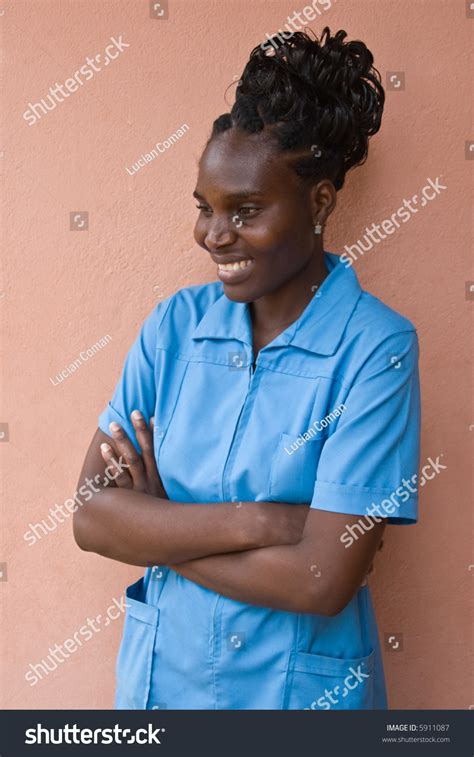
(145,440)
(132,459)
(115,471)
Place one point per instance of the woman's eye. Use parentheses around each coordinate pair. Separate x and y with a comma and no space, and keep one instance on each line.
(247,211)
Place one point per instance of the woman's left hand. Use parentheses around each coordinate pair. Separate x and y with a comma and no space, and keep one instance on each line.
(141,473)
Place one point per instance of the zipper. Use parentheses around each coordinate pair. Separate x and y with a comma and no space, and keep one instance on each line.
(216,640)
(251,374)
(253,363)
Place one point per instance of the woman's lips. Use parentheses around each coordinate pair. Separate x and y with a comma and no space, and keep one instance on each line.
(235,273)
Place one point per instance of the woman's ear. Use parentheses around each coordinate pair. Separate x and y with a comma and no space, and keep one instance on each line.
(323,199)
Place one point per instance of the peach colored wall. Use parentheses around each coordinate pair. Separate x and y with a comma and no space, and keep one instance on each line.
(63,290)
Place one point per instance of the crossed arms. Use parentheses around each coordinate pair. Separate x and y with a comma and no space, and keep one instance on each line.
(272,554)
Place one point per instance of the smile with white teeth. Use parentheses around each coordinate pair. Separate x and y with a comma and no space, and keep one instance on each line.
(233,266)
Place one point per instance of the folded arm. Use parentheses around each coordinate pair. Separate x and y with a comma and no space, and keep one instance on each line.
(270,554)
(131,519)
(316,575)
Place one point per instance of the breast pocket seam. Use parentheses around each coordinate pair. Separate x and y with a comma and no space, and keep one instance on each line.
(158,442)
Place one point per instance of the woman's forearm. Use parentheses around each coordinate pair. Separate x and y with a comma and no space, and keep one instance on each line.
(276,577)
(139,529)
(314,575)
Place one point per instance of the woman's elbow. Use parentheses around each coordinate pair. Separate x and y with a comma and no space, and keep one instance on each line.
(326,601)
(84,528)
(80,533)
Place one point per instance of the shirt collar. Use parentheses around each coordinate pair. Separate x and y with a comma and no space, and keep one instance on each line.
(318,329)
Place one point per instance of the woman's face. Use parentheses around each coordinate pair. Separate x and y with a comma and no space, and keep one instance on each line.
(254,211)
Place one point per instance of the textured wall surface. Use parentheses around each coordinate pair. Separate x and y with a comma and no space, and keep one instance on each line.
(64,290)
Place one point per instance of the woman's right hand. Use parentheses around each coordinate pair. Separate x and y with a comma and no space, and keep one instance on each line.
(269,523)
(141,472)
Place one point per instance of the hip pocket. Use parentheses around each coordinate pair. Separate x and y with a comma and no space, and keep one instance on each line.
(315,682)
(294,467)
(134,661)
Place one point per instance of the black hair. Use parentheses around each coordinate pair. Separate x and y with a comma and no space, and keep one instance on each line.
(323,97)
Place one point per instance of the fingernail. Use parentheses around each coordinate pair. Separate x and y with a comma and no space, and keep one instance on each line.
(114,426)
(105,447)
(136,415)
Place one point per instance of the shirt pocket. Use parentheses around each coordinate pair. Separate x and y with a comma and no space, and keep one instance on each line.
(294,467)
(317,682)
(135,657)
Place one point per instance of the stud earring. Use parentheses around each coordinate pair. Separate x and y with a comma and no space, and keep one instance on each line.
(318,228)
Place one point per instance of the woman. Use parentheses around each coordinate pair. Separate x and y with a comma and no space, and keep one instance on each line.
(286,410)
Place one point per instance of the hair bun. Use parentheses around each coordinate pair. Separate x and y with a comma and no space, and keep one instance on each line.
(322,92)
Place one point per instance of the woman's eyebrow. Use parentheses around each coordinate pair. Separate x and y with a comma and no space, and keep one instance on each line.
(243,194)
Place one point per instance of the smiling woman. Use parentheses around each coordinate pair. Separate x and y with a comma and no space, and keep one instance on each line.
(236,616)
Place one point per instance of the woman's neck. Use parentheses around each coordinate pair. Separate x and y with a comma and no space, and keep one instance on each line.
(274,312)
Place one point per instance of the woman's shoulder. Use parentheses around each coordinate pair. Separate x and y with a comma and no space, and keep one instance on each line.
(378,336)
(179,314)
(375,317)
(192,302)
(198,298)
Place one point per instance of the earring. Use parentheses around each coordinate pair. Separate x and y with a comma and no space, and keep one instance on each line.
(318,228)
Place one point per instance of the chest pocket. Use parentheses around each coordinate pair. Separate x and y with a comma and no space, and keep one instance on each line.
(294,467)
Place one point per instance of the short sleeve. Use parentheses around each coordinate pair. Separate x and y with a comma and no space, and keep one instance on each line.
(136,389)
(372,456)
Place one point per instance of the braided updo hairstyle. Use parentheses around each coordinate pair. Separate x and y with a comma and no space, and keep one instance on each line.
(321,99)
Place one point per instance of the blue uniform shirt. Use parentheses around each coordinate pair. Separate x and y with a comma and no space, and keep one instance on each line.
(329,416)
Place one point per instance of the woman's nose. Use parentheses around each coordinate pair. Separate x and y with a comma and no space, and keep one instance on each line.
(220,233)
